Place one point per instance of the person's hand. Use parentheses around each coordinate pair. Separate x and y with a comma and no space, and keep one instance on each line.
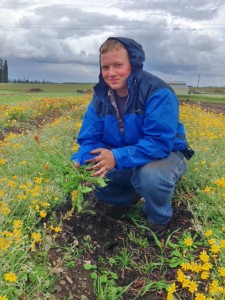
(76,164)
(102,162)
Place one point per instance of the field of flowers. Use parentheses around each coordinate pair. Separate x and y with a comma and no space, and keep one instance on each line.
(37,139)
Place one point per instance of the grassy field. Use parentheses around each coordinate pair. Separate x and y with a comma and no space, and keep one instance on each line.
(11,93)
(37,137)
(44,88)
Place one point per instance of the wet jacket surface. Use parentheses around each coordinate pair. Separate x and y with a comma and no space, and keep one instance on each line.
(151,128)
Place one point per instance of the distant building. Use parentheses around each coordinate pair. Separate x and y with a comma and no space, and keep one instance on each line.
(180,87)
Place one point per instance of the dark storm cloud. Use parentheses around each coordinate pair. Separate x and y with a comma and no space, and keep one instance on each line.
(50,40)
(67,21)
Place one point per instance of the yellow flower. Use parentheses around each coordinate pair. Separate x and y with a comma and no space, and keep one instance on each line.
(4,209)
(207,190)
(75,148)
(42,214)
(57,229)
(194,267)
(38,180)
(32,247)
(11,277)
(207,266)
(220,182)
(205,275)
(172,288)
(78,124)
(2,161)
(193,286)
(188,242)
(169,296)
(11,184)
(211,241)
(222,272)
(180,276)
(4,244)
(215,248)
(17,224)
(200,296)
(204,256)
(185,283)
(222,244)
(1,193)
(185,266)
(36,237)
(44,204)
(213,286)
(3,298)
(208,233)
(74,194)
(17,234)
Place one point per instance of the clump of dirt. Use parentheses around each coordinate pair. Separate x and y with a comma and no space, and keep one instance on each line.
(103,233)
(34,90)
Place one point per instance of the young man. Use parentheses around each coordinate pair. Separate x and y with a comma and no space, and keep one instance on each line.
(132,135)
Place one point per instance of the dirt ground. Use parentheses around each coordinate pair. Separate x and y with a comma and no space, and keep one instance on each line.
(102,235)
(215,107)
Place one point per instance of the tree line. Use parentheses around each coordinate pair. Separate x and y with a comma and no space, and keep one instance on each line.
(3,71)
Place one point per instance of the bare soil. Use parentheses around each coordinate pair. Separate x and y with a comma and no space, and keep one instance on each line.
(213,107)
(102,235)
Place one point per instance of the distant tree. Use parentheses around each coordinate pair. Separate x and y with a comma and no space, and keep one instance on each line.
(5,72)
(1,67)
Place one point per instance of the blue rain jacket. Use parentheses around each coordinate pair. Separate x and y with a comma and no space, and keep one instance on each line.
(151,127)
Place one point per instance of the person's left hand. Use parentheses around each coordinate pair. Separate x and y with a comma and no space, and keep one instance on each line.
(102,162)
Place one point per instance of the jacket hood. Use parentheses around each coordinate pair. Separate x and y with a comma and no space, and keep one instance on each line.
(136,56)
(136,53)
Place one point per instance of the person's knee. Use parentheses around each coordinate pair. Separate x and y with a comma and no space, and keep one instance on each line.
(154,177)
(150,175)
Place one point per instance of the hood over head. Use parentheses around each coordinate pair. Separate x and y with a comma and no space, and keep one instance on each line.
(136,53)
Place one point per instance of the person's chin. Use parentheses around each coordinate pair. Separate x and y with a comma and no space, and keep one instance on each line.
(114,86)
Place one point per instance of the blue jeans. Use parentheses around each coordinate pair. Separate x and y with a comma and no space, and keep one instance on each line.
(155,182)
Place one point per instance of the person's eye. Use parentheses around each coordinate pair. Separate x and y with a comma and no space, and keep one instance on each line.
(105,68)
(118,65)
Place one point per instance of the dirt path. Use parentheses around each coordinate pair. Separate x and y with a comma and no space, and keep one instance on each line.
(214,107)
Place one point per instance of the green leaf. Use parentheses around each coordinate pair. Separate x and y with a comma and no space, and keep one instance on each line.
(175,262)
(112,260)
(89,267)
(93,275)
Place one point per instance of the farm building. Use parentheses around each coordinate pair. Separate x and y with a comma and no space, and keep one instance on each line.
(180,87)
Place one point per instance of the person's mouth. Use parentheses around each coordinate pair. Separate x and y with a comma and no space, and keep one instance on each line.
(113,81)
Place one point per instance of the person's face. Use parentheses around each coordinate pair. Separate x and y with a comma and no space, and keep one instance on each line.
(116,68)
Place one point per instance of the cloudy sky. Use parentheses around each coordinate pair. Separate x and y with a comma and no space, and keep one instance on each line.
(58,40)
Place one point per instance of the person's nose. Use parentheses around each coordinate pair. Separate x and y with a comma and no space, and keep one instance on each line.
(112,71)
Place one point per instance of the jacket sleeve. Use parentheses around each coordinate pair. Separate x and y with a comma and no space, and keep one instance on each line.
(90,136)
(159,126)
